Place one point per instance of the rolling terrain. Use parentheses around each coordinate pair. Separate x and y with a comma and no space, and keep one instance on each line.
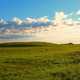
(39,61)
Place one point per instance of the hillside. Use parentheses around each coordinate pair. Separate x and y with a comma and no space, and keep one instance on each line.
(25,44)
(39,61)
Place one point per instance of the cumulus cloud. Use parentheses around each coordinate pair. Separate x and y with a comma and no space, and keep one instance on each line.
(30,20)
(2,21)
(17,20)
(62,29)
(41,19)
(59,16)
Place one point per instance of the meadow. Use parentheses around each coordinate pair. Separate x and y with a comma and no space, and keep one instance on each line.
(39,61)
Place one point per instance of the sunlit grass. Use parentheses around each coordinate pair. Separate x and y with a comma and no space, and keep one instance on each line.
(40,61)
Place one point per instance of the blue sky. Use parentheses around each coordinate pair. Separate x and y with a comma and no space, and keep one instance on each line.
(36,8)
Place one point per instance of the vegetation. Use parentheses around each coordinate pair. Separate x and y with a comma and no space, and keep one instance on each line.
(39,61)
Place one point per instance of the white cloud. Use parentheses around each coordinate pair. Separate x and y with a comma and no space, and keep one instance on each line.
(41,19)
(17,20)
(63,29)
(59,17)
(61,33)
(69,21)
(2,21)
(30,20)
(78,12)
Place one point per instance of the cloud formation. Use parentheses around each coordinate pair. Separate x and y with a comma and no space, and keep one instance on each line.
(62,29)
(35,20)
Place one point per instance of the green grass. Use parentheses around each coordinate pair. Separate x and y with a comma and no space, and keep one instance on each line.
(39,61)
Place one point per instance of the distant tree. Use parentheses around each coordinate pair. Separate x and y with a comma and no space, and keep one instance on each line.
(70,43)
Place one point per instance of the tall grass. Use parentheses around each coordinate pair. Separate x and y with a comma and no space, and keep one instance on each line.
(39,61)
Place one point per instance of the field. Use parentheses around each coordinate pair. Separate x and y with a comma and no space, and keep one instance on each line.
(39,61)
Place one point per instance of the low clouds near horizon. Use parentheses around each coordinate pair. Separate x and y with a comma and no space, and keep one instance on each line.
(63,28)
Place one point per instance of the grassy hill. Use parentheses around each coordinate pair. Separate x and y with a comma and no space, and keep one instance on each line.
(25,44)
(39,61)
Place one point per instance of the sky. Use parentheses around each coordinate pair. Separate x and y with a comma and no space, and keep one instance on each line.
(55,21)
(36,8)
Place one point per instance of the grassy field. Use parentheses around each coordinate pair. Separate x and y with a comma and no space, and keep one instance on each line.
(39,61)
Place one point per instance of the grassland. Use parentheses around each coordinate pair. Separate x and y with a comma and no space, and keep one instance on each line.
(39,61)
